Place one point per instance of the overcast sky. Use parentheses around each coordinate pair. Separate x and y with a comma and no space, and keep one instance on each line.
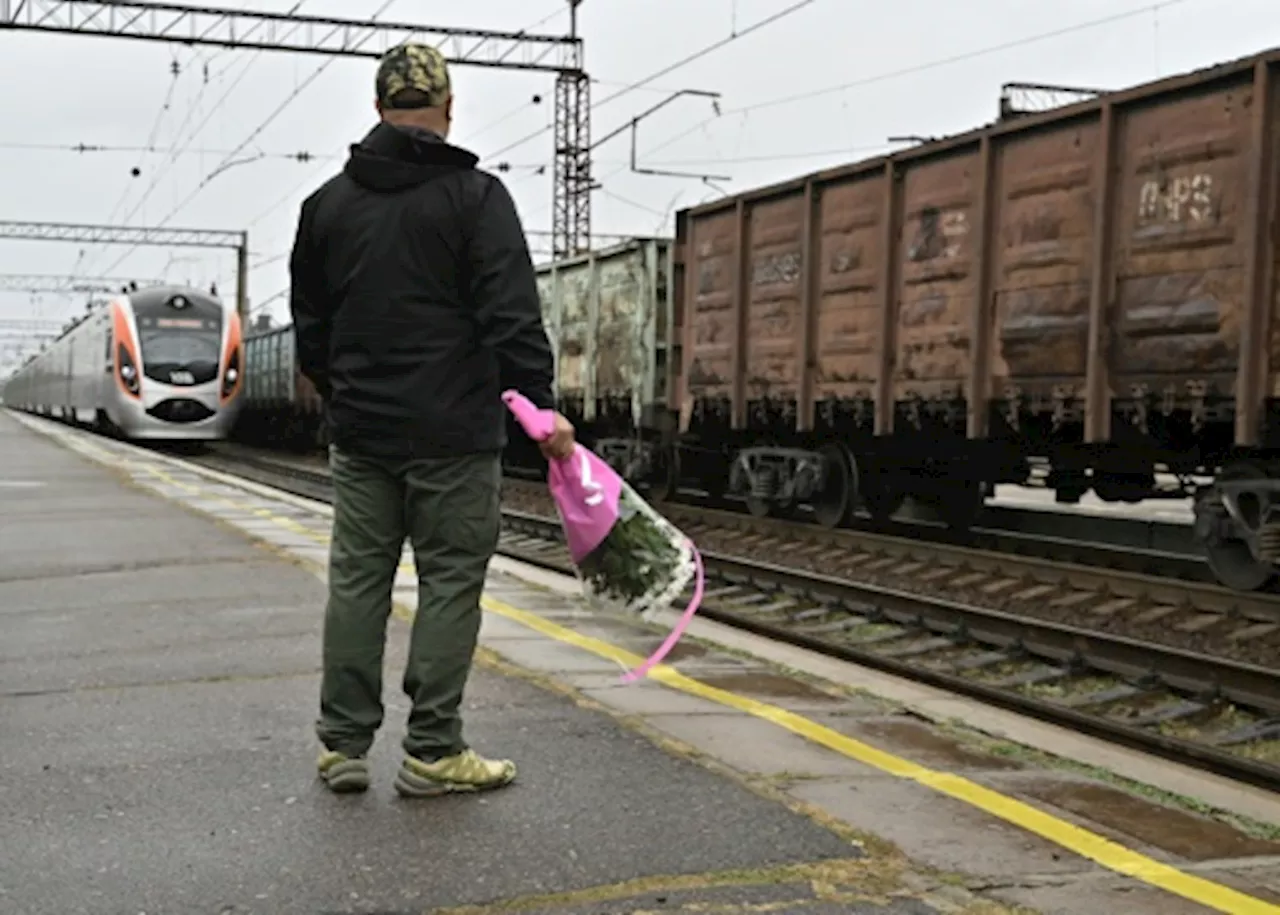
(908,67)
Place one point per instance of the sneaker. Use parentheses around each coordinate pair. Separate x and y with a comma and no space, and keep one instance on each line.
(467,771)
(343,774)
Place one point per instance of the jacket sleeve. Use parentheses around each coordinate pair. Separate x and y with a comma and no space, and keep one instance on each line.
(309,303)
(505,293)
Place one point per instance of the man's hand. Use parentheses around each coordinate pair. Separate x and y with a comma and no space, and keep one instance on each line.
(560,444)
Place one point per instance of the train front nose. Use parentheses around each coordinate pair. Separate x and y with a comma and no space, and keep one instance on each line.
(181,410)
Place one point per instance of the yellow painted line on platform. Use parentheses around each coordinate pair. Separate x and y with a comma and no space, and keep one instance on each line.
(1110,855)
(1081,841)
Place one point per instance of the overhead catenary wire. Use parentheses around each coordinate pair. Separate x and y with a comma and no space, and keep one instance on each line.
(630,87)
(229,160)
(192,109)
(868,80)
(539,167)
(270,119)
(311,176)
(625,87)
(827,90)
(176,73)
(923,67)
(108,149)
(176,70)
(959,58)
(520,109)
(684,61)
(895,74)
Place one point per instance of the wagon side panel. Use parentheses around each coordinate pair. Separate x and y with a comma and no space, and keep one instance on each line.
(710,315)
(1180,245)
(1044,201)
(851,294)
(625,362)
(564,292)
(771,367)
(938,264)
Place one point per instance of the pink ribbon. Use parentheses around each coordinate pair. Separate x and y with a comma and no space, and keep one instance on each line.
(681,625)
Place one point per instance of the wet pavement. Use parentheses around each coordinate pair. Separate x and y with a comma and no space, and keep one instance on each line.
(158,688)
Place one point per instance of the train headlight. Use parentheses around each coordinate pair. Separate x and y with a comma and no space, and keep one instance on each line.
(127,370)
(231,374)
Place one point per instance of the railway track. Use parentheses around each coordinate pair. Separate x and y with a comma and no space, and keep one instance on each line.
(1113,598)
(1098,539)
(1166,548)
(928,615)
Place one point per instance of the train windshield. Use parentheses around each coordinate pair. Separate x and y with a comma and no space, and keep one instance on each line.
(182,350)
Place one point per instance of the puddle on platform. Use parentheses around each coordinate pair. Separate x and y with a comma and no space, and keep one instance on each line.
(921,743)
(1176,831)
(771,685)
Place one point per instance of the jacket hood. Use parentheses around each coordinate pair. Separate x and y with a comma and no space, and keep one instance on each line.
(392,158)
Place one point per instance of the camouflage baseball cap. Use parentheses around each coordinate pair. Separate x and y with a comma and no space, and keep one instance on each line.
(416,67)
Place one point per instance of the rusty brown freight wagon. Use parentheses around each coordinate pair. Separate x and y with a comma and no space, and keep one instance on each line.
(1093,286)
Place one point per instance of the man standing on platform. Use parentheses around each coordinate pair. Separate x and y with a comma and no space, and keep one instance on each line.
(414,305)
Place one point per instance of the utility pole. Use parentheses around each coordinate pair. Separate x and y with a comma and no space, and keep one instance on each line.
(141,235)
(329,35)
(571,194)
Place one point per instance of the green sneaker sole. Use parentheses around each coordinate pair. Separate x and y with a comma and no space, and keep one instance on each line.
(410,784)
(347,777)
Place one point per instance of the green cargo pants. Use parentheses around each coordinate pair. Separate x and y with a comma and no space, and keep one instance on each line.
(449,510)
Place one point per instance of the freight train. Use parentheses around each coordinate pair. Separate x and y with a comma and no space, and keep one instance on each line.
(1089,288)
(281,406)
(159,364)
(1092,287)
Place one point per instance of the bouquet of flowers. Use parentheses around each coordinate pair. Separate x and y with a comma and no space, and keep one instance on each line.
(628,557)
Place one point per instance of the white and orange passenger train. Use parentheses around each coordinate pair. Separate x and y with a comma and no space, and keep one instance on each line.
(164,363)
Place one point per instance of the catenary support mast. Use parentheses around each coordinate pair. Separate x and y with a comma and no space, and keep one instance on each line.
(182,24)
(41,283)
(141,235)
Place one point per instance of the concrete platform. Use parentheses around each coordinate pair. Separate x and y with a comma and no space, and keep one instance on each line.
(158,686)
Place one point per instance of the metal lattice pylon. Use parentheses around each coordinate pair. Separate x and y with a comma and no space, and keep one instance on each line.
(335,36)
(571,217)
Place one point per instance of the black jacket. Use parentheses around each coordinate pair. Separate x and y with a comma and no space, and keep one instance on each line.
(414,300)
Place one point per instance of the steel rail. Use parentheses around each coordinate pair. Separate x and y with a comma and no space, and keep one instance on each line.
(1106,538)
(1056,563)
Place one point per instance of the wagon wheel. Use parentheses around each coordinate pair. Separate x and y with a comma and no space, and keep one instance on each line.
(758,507)
(832,505)
(765,506)
(1231,558)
